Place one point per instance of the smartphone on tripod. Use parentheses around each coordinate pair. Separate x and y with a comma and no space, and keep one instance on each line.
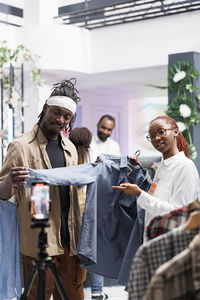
(40,203)
(40,207)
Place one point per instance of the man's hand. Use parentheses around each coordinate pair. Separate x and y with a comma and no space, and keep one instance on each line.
(128,188)
(134,161)
(98,160)
(17,176)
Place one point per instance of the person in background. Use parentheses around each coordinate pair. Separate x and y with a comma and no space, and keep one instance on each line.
(102,142)
(81,137)
(44,147)
(174,184)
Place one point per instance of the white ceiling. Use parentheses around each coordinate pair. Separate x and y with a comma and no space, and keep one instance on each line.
(127,83)
(134,83)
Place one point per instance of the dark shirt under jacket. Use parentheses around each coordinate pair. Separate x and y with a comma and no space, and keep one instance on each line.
(57,160)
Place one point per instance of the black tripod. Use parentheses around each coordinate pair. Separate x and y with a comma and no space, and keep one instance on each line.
(40,264)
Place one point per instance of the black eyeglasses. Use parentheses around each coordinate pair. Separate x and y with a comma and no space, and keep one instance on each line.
(160,133)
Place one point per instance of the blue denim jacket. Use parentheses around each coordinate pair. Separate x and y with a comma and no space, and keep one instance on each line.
(113,223)
(10,270)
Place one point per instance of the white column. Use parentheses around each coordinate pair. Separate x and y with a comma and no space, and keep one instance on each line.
(40,12)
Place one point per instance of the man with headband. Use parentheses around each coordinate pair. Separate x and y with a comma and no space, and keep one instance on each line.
(44,147)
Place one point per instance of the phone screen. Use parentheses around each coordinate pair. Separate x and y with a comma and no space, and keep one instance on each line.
(40,202)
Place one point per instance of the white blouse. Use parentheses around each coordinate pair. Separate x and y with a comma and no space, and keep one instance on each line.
(176,182)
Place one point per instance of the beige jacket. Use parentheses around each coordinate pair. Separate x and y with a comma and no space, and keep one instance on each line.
(23,152)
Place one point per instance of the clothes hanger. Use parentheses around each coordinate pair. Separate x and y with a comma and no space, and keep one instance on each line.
(134,159)
(194,218)
(195,205)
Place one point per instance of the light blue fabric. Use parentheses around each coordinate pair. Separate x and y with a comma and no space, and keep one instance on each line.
(10,269)
(97,282)
(111,217)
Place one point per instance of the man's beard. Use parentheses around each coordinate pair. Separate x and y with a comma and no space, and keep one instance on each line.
(103,137)
(53,132)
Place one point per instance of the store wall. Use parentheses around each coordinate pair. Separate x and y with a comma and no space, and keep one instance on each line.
(144,43)
(127,46)
(95,105)
(77,51)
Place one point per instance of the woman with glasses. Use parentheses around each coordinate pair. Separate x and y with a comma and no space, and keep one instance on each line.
(174,184)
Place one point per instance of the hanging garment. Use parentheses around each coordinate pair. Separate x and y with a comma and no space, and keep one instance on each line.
(152,255)
(10,270)
(162,224)
(179,278)
(113,223)
(120,233)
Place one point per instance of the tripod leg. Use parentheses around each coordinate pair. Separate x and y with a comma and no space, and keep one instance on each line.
(29,282)
(41,287)
(57,279)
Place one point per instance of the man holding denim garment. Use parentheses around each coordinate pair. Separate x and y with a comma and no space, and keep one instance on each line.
(44,147)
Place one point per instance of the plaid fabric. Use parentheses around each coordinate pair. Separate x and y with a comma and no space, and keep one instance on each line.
(178,278)
(162,224)
(153,254)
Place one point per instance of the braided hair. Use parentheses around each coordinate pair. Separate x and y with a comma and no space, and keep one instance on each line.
(64,88)
(180,140)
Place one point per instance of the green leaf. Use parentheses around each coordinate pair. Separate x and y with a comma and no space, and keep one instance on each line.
(194,74)
(173,110)
(191,88)
(180,86)
(7,56)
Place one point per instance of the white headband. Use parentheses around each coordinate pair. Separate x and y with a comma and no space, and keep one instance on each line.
(62,101)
